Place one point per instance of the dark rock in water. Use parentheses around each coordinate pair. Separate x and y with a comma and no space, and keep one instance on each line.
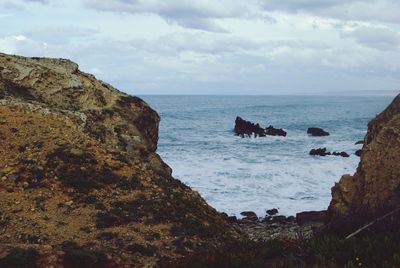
(271,131)
(317,132)
(246,128)
(342,154)
(311,216)
(272,212)
(359,153)
(324,152)
(319,152)
(359,142)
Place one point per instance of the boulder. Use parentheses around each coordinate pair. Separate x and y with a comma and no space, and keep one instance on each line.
(359,153)
(319,152)
(359,142)
(317,132)
(272,212)
(374,188)
(249,216)
(311,216)
(279,219)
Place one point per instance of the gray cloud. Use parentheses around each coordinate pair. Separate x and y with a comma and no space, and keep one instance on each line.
(363,10)
(37,1)
(12,6)
(305,5)
(373,37)
(191,14)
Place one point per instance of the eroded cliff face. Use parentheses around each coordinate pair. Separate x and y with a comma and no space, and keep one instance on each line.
(80,179)
(374,188)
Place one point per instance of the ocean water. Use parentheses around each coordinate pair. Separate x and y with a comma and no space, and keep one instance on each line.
(235,174)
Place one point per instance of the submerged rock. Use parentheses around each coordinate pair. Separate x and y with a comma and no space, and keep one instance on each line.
(319,152)
(317,132)
(342,154)
(324,152)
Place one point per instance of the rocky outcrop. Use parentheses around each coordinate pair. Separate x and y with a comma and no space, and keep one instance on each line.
(246,128)
(317,132)
(342,154)
(319,152)
(324,152)
(271,131)
(80,181)
(374,188)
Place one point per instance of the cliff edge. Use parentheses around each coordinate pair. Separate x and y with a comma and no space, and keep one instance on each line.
(80,182)
(374,188)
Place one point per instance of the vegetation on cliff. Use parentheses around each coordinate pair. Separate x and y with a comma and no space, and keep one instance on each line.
(80,179)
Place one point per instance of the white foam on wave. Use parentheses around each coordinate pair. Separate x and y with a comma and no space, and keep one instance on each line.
(258,182)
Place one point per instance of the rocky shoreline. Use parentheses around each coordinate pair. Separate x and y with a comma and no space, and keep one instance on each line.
(82,186)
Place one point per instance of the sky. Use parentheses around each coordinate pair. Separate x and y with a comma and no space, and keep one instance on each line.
(215,46)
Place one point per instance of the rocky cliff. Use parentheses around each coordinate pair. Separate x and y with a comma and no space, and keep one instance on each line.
(81,184)
(374,188)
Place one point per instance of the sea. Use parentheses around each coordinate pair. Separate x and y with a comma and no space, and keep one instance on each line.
(235,174)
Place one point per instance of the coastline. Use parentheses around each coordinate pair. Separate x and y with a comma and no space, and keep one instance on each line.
(83,186)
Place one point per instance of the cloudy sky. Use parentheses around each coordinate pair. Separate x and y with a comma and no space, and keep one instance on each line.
(215,46)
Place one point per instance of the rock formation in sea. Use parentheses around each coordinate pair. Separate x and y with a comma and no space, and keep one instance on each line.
(317,132)
(319,152)
(324,152)
(246,128)
(375,187)
(81,182)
